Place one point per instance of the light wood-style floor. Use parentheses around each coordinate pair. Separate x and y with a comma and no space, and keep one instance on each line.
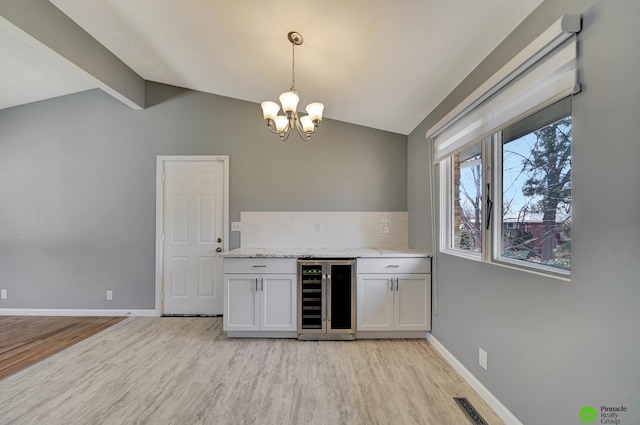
(26,340)
(185,371)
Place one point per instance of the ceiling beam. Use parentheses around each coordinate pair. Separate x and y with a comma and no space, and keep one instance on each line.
(42,25)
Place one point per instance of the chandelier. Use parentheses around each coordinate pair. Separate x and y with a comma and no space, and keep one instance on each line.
(283,125)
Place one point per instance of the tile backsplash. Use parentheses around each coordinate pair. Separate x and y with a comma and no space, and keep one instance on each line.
(324,229)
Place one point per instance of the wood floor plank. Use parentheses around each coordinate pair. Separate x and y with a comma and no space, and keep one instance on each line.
(186,371)
(26,340)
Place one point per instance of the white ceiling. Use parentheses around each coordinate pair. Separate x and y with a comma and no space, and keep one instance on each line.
(29,74)
(378,63)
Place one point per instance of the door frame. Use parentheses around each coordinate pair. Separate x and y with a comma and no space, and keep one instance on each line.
(160,161)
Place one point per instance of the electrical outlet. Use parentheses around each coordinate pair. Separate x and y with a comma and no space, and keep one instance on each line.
(317,226)
(3,294)
(483,358)
(236,226)
(109,295)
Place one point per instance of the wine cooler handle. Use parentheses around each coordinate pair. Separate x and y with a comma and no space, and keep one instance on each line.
(328,305)
(324,278)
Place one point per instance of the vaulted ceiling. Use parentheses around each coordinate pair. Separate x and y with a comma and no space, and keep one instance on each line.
(378,63)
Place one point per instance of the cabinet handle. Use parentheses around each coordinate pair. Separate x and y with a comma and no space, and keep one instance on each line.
(259,265)
(256,284)
(396,284)
(262,284)
(391,286)
(393,266)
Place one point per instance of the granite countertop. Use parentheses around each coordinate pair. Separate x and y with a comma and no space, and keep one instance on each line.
(323,253)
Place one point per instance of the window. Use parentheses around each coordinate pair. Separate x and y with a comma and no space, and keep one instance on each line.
(504,154)
(464,198)
(467,198)
(521,210)
(535,200)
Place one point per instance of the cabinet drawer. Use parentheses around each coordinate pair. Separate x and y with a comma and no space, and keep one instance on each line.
(260,265)
(394,265)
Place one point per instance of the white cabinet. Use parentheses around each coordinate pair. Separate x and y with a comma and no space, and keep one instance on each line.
(260,294)
(394,294)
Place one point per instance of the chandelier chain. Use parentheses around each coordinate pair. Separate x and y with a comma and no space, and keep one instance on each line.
(293,67)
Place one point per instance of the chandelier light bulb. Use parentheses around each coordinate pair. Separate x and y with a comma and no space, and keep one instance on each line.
(289,101)
(307,124)
(315,111)
(270,110)
(281,123)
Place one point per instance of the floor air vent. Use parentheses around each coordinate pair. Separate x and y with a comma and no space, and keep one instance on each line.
(326,337)
(470,411)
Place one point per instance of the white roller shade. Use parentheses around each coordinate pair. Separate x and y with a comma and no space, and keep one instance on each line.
(542,74)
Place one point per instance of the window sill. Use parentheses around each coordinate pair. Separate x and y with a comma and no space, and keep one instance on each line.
(463,254)
(540,270)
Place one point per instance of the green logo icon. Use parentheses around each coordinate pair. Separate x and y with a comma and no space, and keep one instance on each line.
(588,414)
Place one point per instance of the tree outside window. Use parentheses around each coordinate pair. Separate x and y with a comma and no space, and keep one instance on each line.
(537,196)
(467,199)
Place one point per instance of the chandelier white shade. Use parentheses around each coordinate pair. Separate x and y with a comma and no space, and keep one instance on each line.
(284,124)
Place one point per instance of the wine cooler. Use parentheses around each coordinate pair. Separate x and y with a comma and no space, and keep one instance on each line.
(326,300)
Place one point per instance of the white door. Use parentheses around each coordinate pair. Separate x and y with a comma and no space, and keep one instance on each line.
(242,302)
(412,303)
(278,309)
(193,232)
(375,302)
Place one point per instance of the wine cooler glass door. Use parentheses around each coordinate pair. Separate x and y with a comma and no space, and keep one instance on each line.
(313,297)
(340,294)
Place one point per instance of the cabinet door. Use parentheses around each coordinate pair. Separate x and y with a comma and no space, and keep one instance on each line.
(412,303)
(375,302)
(241,302)
(278,302)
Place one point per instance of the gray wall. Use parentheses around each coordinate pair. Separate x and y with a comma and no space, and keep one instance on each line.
(77,185)
(555,346)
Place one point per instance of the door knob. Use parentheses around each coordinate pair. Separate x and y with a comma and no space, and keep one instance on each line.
(219,240)
(218,249)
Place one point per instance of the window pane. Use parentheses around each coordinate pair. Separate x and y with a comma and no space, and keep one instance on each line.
(536,196)
(467,199)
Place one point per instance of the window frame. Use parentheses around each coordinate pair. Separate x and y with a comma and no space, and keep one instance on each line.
(447,207)
(491,250)
(496,222)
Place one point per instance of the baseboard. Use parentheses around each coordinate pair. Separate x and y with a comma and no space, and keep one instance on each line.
(262,334)
(72,312)
(391,334)
(500,409)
